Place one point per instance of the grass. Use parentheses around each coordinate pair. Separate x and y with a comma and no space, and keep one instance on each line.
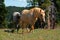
(38,34)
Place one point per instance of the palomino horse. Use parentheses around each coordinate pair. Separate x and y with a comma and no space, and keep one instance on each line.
(16,17)
(29,17)
(39,13)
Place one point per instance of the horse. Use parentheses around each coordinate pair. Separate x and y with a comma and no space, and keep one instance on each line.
(40,15)
(16,17)
(29,17)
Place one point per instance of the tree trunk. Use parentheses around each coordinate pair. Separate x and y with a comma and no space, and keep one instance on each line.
(48,19)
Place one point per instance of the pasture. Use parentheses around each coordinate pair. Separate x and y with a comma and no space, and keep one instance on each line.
(38,34)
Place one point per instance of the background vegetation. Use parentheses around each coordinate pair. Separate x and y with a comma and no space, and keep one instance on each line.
(6,12)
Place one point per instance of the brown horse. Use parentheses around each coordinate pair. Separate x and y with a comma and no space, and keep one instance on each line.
(16,17)
(30,17)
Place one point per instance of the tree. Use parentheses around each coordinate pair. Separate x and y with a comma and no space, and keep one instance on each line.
(58,10)
(32,3)
(3,12)
(40,3)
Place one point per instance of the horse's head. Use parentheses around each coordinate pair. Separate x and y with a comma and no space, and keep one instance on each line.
(42,12)
(38,12)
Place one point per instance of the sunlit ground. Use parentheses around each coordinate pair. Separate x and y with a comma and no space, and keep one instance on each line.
(38,34)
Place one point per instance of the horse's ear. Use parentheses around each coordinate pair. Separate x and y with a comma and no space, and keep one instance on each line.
(40,11)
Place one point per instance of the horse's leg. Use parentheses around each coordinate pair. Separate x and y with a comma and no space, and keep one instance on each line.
(18,27)
(13,27)
(42,25)
(22,30)
(32,28)
(27,27)
(41,21)
(21,24)
(23,27)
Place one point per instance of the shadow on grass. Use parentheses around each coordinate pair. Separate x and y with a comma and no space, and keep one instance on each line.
(11,31)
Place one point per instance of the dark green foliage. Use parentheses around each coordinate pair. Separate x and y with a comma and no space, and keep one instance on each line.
(11,10)
(3,12)
(9,17)
(40,3)
(45,4)
(58,10)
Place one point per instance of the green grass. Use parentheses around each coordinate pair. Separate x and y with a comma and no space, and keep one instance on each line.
(38,34)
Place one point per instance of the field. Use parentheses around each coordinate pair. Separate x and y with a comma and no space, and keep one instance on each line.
(38,34)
